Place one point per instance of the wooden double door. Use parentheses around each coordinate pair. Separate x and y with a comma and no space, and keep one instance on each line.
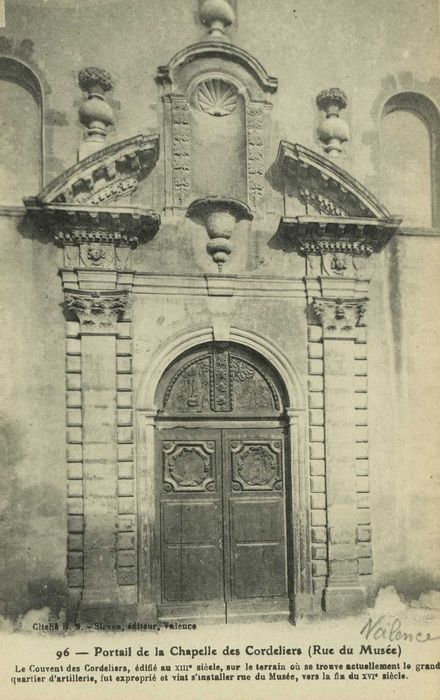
(222,511)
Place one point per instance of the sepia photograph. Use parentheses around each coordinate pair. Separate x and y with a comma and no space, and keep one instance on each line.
(220,349)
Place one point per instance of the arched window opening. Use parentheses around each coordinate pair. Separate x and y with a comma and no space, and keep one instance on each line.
(409,137)
(20,132)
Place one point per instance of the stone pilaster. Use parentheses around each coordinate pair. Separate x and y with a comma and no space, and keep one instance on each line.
(96,448)
(342,322)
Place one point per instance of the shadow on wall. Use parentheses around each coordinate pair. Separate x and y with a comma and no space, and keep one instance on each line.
(31,514)
(409,583)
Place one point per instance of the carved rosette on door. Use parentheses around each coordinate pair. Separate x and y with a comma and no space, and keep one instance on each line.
(256,466)
(188,466)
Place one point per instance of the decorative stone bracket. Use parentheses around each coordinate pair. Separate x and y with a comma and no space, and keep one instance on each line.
(219,216)
(340,317)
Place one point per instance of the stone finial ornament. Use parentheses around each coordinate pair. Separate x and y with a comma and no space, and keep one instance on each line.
(217,15)
(95,113)
(333,130)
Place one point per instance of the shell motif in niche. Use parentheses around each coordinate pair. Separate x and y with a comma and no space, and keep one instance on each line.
(216,97)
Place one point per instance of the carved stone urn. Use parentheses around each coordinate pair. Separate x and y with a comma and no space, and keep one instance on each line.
(217,15)
(219,215)
(333,130)
(95,113)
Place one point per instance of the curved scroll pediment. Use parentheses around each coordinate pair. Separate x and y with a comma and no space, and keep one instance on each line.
(335,213)
(222,54)
(105,176)
(325,188)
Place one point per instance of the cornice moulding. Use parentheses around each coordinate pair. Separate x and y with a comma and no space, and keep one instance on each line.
(73,224)
(338,234)
(105,176)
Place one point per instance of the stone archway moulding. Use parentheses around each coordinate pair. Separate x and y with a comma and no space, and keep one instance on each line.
(189,339)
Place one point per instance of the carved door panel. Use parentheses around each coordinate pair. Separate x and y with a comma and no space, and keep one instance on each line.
(254,495)
(191,523)
(222,523)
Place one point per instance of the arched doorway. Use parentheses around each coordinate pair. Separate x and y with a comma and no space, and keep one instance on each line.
(223,495)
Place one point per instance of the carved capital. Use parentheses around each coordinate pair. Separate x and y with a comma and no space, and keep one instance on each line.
(340,317)
(97,312)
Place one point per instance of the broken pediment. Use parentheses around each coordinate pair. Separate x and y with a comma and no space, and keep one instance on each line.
(105,177)
(327,209)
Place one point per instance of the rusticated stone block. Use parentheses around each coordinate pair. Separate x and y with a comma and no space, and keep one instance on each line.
(126,505)
(315,351)
(360,351)
(361,450)
(75,543)
(75,560)
(361,433)
(126,540)
(319,552)
(314,333)
(75,506)
(73,382)
(125,523)
(362,467)
(72,329)
(317,467)
(362,484)
(343,568)
(318,583)
(125,417)
(74,435)
(126,557)
(363,500)
(316,416)
(365,566)
(361,416)
(123,346)
(124,329)
(360,368)
(125,435)
(361,334)
(316,400)
(317,484)
(125,487)
(364,516)
(319,535)
(316,367)
(125,470)
(75,470)
(73,364)
(316,433)
(127,576)
(316,450)
(360,384)
(74,417)
(363,534)
(124,399)
(361,401)
(73,399)
(73,346)
(125,453)
(75,523)
(317,501)
(316,383)
(74,489)
(318,518)
(365,550)
(319,568)
(124,382)
(123,365)
(75,578)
